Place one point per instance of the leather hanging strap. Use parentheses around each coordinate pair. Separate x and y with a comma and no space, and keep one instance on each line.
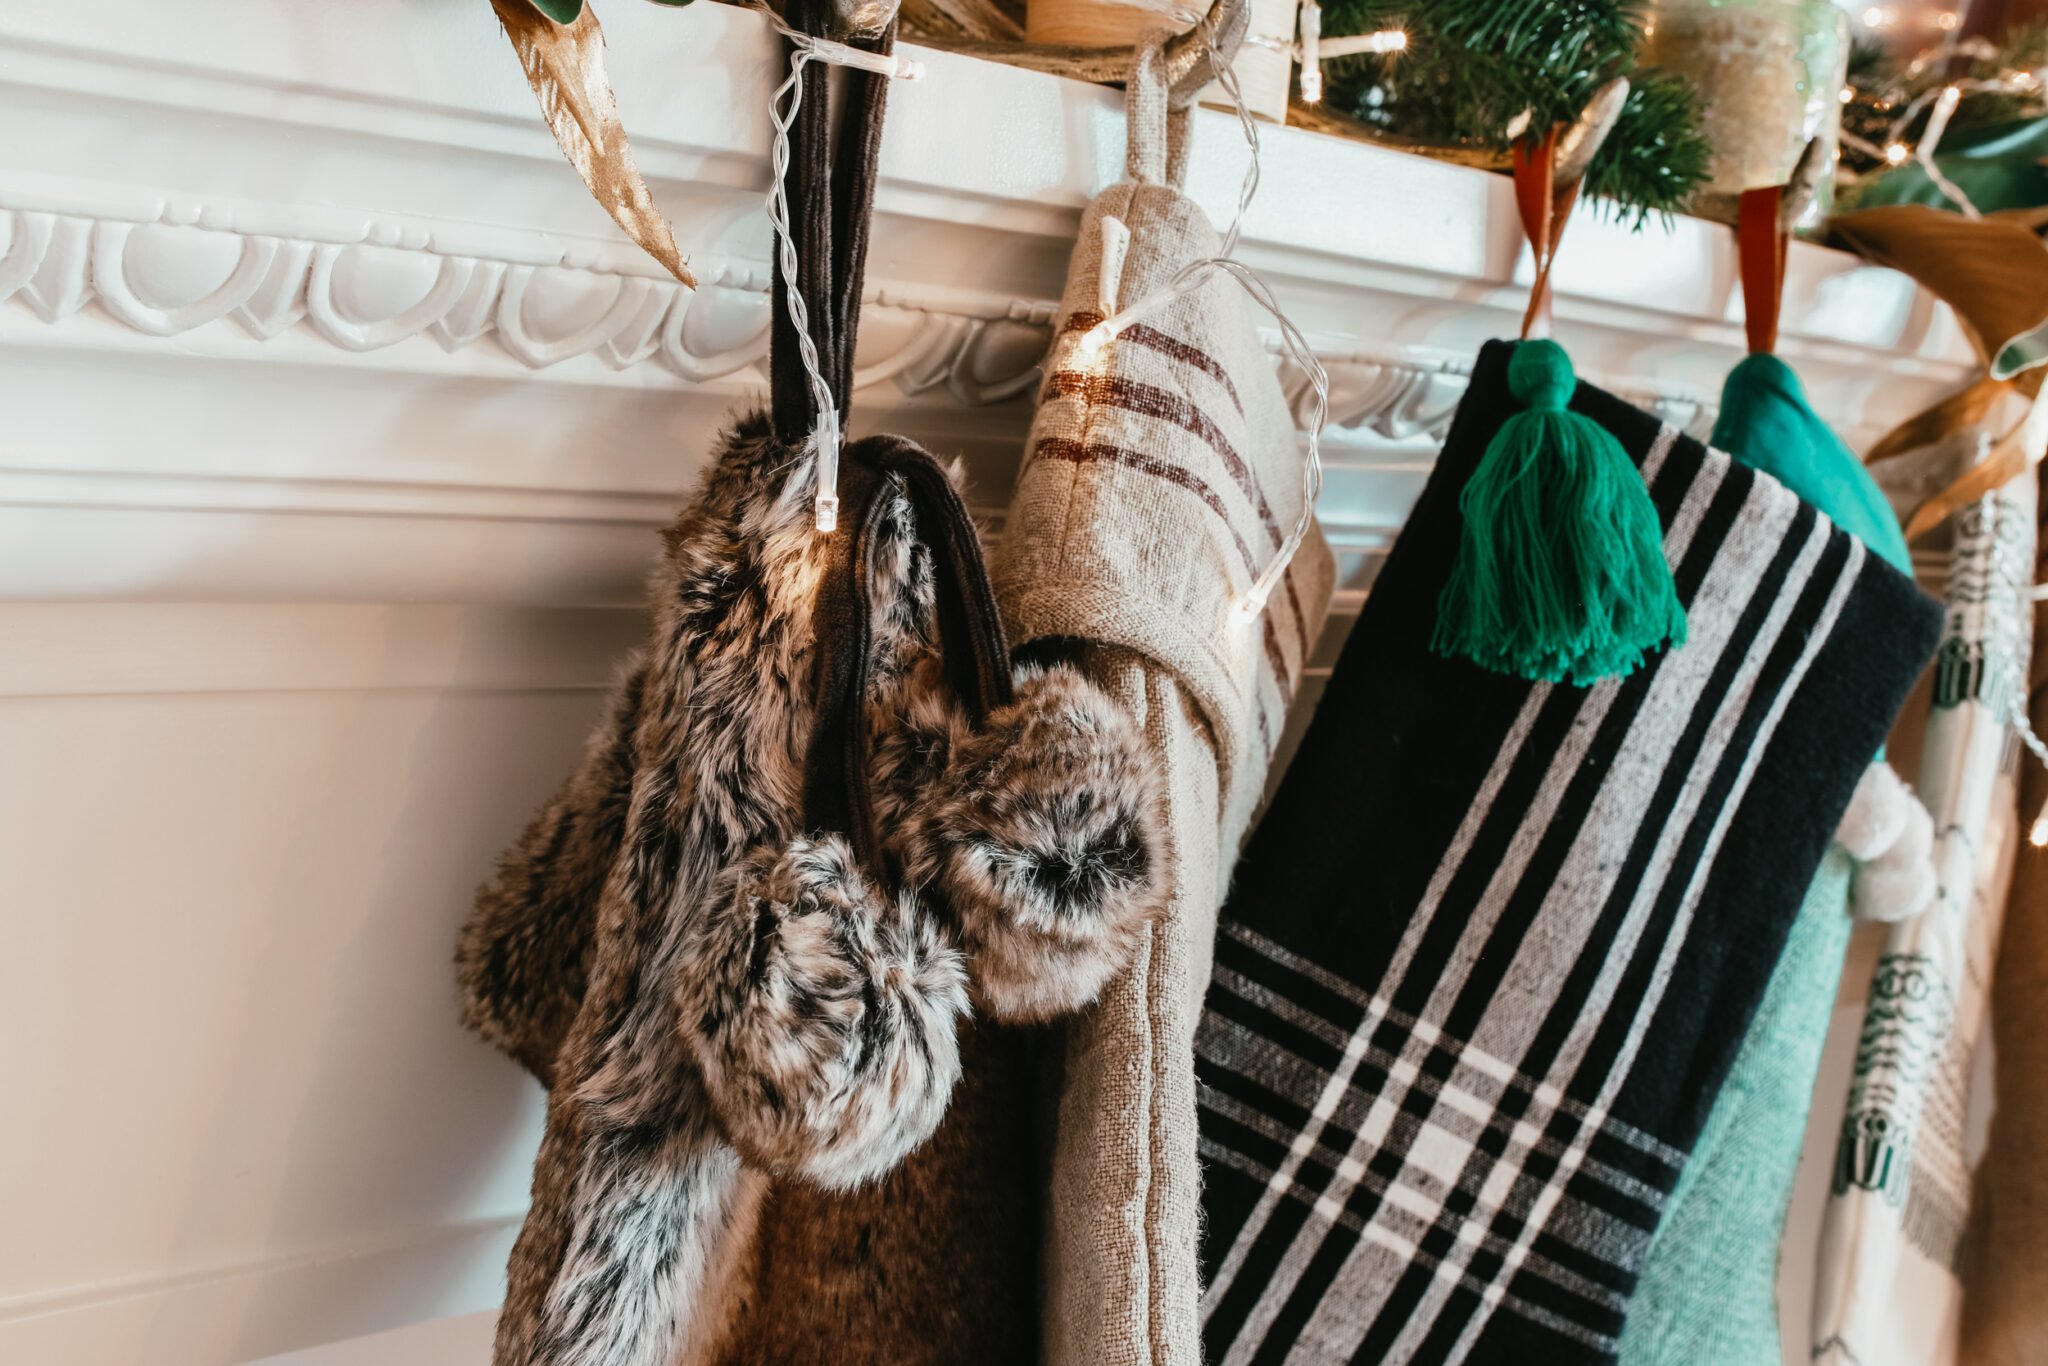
(970,628)
(1762,239)
(853,209)
(1545,207)
(842,625)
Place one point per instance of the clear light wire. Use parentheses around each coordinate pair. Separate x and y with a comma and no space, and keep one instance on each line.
(1192,276)
(1930,139)
(1254,601)
(824,436)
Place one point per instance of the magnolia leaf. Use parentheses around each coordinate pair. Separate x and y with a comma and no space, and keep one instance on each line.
(561,11)
(564,63)
(1991,271)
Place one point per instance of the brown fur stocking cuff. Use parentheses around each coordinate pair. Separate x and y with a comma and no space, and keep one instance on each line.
(1044,834)
(823,1018)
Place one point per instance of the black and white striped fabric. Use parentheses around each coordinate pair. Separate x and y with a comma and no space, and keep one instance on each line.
(1494,945)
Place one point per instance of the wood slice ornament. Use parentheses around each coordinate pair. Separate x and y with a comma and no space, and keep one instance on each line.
(1264,62)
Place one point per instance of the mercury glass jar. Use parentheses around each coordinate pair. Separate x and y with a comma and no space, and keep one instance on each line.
(1770,73)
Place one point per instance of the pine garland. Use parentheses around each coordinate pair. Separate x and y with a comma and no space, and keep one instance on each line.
(1473,68)
(1657,153)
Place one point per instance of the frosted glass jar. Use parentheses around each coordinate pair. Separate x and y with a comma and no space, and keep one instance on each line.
(1770,73)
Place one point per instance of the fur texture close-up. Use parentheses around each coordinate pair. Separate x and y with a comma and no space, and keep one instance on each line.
(822,1015)
(736,1018)
(1042,831)
(521,958)
(634,1186)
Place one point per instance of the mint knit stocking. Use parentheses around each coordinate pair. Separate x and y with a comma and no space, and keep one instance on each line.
(1709,1291)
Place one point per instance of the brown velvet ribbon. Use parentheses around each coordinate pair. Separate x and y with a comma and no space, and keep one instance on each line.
(1987,400)
(1545,206)
(831,204)
(831,207)
(1993,271)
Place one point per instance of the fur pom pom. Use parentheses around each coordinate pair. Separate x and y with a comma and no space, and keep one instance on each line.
(1044,832)
(1891,837)
(1876,815)
(1899,883)
(823,1019)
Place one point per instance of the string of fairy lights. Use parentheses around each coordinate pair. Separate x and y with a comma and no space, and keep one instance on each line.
(1312,49)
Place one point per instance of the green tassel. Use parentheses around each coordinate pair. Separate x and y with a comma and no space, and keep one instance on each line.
(1560,573)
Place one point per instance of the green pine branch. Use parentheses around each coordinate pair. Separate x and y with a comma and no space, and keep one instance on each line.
(1472,70)
(1657,154)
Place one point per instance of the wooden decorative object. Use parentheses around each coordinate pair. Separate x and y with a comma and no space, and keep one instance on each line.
(1264,63)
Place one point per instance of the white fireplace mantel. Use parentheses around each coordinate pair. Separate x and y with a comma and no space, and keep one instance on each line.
(335,422)
(355,213)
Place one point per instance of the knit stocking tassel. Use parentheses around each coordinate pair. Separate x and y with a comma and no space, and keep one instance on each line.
(1560,573)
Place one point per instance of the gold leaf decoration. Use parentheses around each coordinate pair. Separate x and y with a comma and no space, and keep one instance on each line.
(564,63)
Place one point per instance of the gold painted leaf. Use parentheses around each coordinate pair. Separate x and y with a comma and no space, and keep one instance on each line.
(564,63)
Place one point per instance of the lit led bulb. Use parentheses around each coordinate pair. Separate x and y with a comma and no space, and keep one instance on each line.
(1896,153)
(1385,43)
(825,443)
(1311,52)
(2038,835)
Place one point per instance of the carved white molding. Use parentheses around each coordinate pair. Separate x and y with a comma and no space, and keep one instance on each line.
(177,274)
(169,277)
(284,199)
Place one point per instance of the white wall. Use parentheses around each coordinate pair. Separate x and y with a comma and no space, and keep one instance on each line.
(335,425)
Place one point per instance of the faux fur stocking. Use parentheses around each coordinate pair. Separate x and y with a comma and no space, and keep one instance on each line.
(718,993)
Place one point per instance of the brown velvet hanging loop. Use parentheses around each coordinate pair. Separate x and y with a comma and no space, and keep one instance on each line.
(1545,206)
(971,644)
(831,207)
(831,203)
(1762,240)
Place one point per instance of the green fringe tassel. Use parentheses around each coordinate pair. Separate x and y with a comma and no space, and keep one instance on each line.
(1560,574)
